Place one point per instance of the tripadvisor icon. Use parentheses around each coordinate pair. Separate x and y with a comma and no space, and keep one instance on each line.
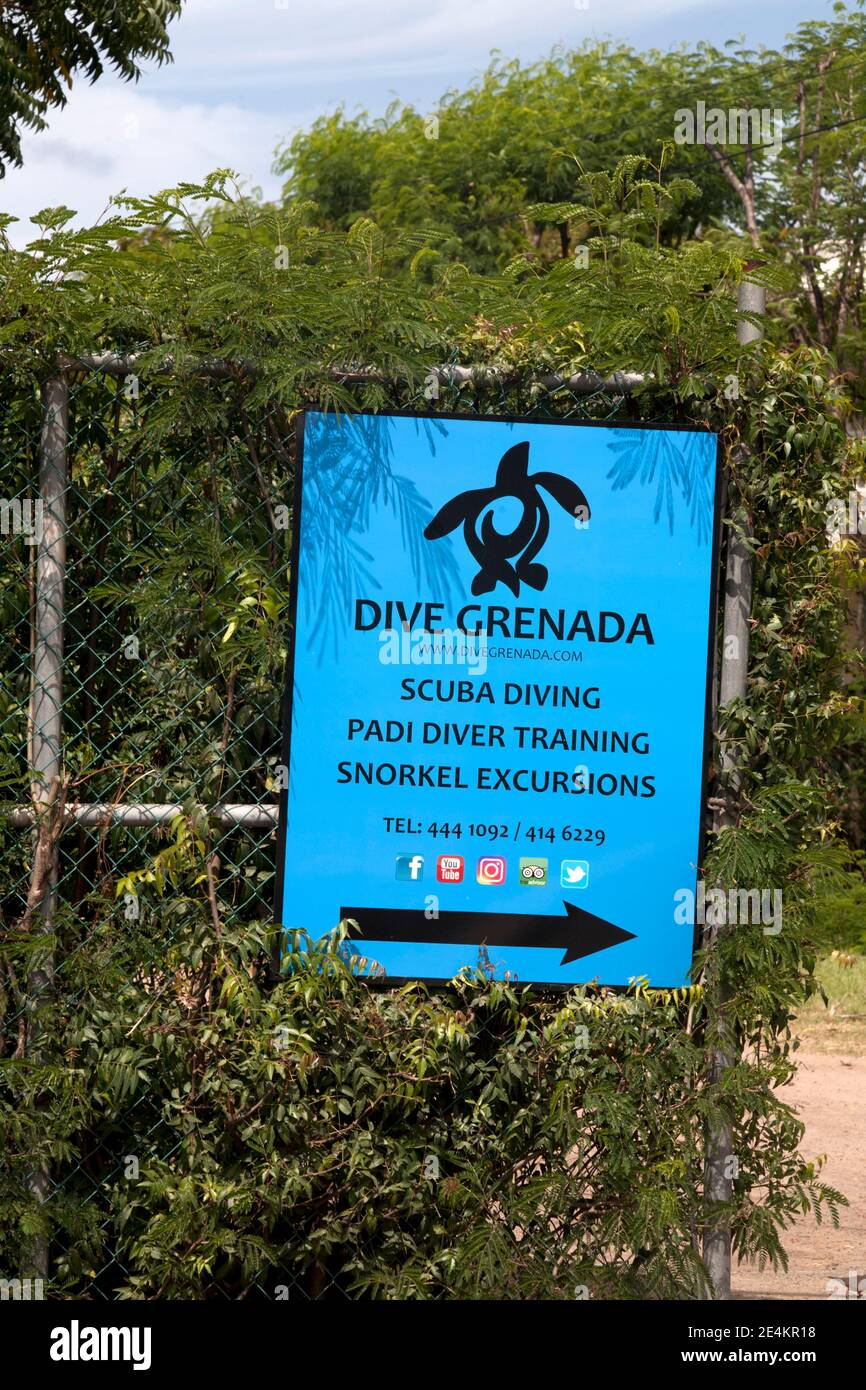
(508,557)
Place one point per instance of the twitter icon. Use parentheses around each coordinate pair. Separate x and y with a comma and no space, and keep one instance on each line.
(574,873)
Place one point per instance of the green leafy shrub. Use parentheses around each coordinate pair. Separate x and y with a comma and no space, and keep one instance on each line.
(190,1146)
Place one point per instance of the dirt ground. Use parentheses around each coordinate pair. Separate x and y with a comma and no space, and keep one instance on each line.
(829,1093)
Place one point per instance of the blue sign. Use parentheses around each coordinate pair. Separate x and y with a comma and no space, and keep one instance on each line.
(497,700)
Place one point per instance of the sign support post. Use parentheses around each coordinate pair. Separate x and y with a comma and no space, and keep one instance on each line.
(718,1183)
(46,742)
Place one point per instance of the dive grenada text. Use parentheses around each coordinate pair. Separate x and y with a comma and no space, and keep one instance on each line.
(494,620)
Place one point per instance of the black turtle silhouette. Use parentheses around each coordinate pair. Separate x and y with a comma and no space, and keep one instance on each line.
(495,552)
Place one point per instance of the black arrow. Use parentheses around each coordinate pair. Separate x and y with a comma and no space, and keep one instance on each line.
(578,933)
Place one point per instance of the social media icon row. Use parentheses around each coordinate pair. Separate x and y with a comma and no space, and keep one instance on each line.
(491,870)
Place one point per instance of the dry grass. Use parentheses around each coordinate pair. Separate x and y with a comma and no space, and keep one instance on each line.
(839,1026)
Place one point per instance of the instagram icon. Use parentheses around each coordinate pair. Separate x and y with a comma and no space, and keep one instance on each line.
(491,870)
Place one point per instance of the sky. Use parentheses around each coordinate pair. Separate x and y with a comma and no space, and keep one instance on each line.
(247,74)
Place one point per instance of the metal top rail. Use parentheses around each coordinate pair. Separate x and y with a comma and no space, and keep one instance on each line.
(584,383)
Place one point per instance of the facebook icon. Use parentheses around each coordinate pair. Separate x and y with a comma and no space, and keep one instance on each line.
(410,867)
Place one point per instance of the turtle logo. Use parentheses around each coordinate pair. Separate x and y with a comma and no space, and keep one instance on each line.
(509,557)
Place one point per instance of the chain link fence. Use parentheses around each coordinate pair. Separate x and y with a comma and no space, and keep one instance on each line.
(144,596)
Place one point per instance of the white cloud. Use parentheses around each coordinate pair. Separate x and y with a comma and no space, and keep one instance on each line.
(112,137)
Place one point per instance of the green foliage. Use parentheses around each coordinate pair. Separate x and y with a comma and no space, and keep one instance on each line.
(841,917)
(472,169)
(326,1138)
(493,171)
(44,44)
(282,1128)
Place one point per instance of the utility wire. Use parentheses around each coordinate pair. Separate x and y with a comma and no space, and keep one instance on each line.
(730,155)
(788,70)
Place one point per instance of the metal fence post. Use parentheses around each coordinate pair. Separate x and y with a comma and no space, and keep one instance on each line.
(718,1182)
(46,723)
